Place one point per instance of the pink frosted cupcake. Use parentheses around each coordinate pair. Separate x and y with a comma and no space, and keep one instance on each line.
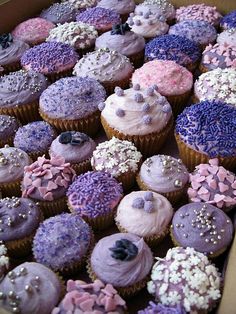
(33,31)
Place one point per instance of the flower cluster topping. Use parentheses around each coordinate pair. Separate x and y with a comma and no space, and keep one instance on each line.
(124,250)
(144,203)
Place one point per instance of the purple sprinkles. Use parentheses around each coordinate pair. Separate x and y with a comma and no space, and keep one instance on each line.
(229,20)
(99,17)
(162,309)
(94,193)
(175,48)
(209,126)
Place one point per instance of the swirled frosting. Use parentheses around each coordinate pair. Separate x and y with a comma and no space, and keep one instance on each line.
(104,65)
(8,127)
(59,13)
(121,273)
(21,87)
(227,37)
(162,7)
(24,289)
(137,111)
(163,174)
(13,52)
(120,6)
(144,213)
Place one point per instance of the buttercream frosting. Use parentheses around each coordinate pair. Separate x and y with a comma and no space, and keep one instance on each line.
(120,6)
(82,4)
(60,13)
(13,52)
(162,7)
(227,37)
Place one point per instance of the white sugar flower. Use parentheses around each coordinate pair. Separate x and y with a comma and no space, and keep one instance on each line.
(190,251)
(157,275)
(175,278)
(214,293)
(174,266)
(3,250)
(163,288)
(4,260)
(186,274)
(194,260)
(174,297)
(151,287)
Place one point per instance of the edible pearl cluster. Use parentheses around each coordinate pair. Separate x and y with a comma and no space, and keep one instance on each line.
(12,158)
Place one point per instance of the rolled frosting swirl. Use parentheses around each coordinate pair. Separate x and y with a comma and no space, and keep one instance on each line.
(121,273)
(13,52)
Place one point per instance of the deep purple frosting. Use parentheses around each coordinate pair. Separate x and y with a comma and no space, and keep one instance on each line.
(61,241)
(94,194)
(172,47)
(203,227)
(159,308)
(60,13)
(208,127)
(229,20)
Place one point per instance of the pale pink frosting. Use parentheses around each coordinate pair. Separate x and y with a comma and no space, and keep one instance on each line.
(33,31)
(227,37)
(170,78)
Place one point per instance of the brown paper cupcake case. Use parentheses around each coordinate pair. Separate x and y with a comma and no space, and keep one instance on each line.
(89,125)
(12,67)
(11,188)
(82,167)
(137,59)
(179,102)
(110,85)
(53,208)
(53,77)
(192,158)
(7,141)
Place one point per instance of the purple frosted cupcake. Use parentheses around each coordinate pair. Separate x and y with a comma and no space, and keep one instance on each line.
(8,128)
(228,21)
(19,220)
(35,138)
(95,196)
(102,19)
(55,60)
(159,308)
(77,149)
(82,4)
(72,104)
(203,227)
(59,13)
(62,243)
(33,287)
(122,7)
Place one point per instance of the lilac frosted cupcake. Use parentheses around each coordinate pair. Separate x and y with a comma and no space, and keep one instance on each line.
(95,297)
(81,5)
(11,50)
(190,277)
(8,128)
(46,181)
(62,243)
(123,260)
(20,219)
(55,60)
(102,19)
(227,37)
(35,138)
(95,196)
(228,21)
(122,7)
(59,13)
(121,39)
(26,285)
(72,104)
(77,149)
(154,308)
(203,227)
(165,175)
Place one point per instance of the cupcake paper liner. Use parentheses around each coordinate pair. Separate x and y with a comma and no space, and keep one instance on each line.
(53,77)
(178,102)
(21,247)
(34,155)
(7,141)
(192,158)
(84,51)
(11,189)
(202,68)
(12,67)
(148,144)
(110,85)
(137,59)
(53,208)
(82,167)
(89,125)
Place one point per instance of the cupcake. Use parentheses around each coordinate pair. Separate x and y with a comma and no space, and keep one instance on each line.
(82,4)
(204,131)
(121,39)
(66,237)
(203,227)
(149,216)
(154,308)
(77,149)
(8,128)
(122,7)
(46,181)
(173,81)
(141,116)
(95,196)
(148,25)
(214,185)
(227,37)
(23,289)
(35,138)
(19,220)
(218,56)
(33,31)
(95,297)
(200,12)
(186,279)
(4,261)
(72,104)
(102,19)
(11,50)
(110,68)
(120,158)
(201,32)
(228,21)
(54,60)
(12,163)
(218,84)
(123,260)
(59,13)
(183,51)
(19,94)
(78,35)
(165,175)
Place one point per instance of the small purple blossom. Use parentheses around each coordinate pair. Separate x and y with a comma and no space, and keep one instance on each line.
(119,91)
(150,91)
(145,107)
(146,15)
(131,21)
(136,87)
(137,22)
(155,87)
(138,203)
(148,196)
(138,97)
(166,108)
(101,106)
(120,112)
(161,100)
(148,206)
(150,22)
(140,13)
(131,14)
(147,119)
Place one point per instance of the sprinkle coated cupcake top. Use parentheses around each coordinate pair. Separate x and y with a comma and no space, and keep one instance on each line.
(163,7)
(61,241)
(76,34)
(60,13)
(159,308)
(219,84)
(8,127)
(189,269)
(172,47)
(207,127)
(116,157)
(94,194)
(227,37)
(120,6)
(82,4)
(229,20)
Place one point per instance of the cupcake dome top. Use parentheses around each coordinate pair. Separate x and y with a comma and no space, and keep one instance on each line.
(208,127)
(11,49)
(8,126)
(227,37)
(229,20)
(162,309)
(60,13)
(82,4)
(120,6)
(158,7)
